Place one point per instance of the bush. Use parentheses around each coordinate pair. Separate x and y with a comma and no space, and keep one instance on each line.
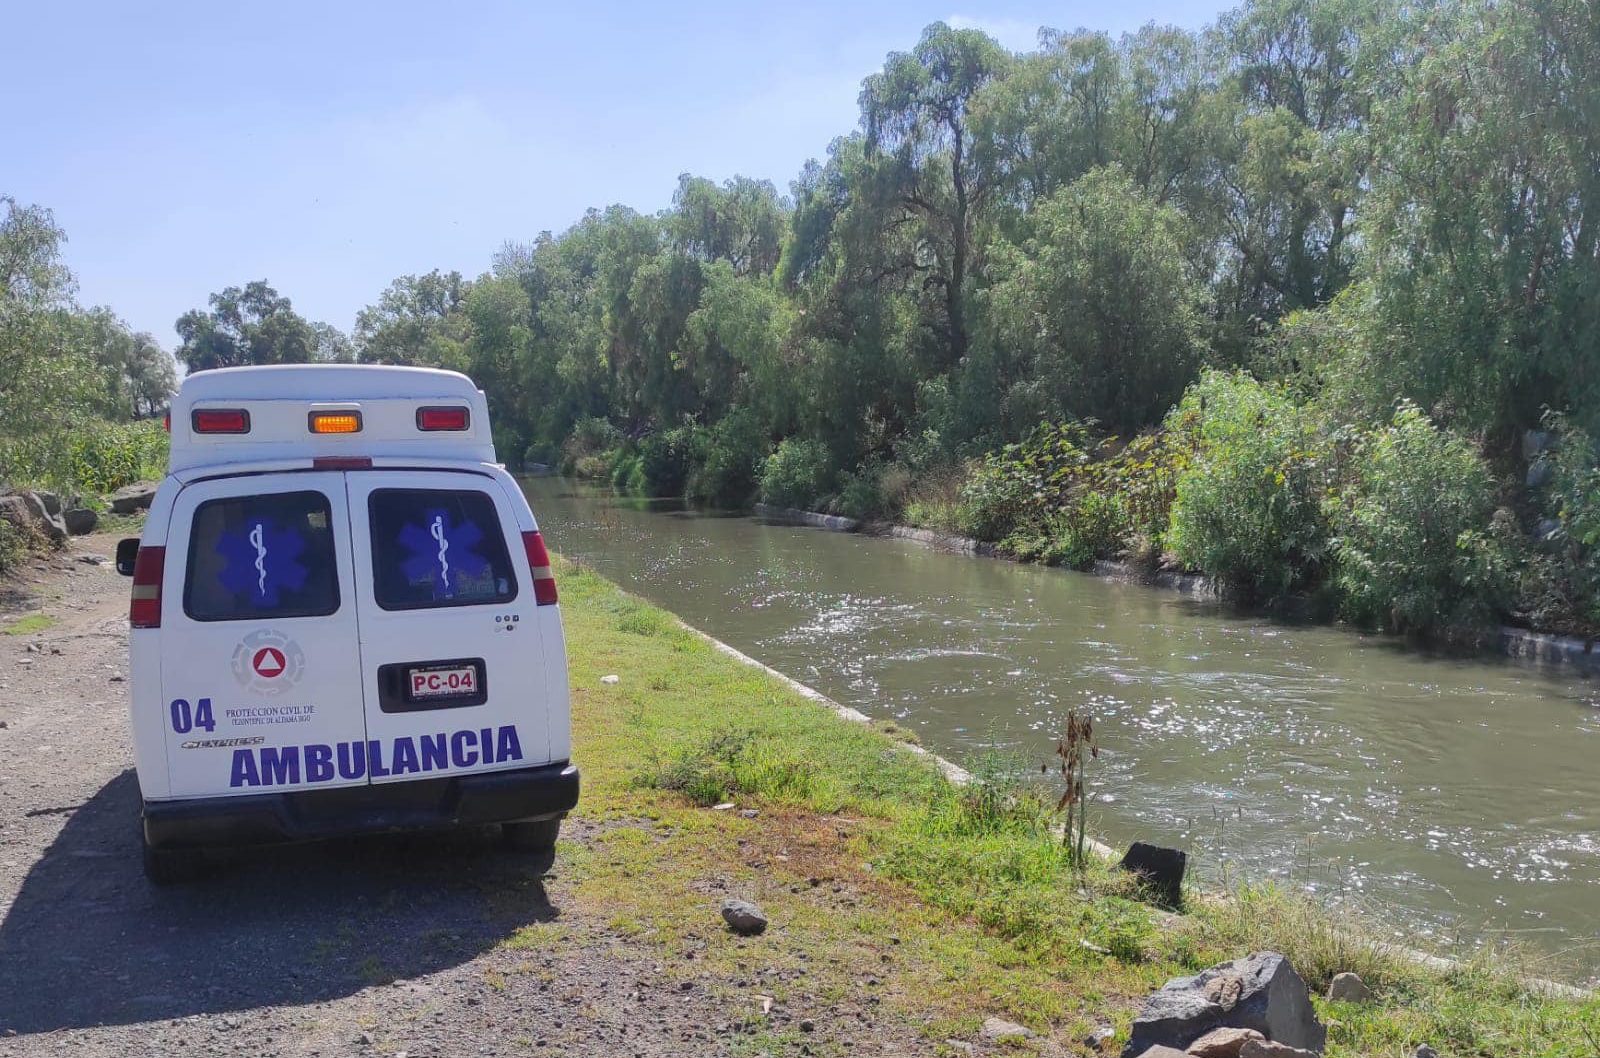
(582,452)
(1561,586)
(1415,551)
(796,475)
(733,453)
(1022,484)
(665,459)
(625,473)
(1247,507)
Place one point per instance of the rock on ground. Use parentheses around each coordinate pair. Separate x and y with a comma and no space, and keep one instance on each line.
(80,520)
(1223,1043)
(1001,1029)
(1261,992)
(132,498)
(1348,988)
(1270,1049)
(743,917)
(28,512)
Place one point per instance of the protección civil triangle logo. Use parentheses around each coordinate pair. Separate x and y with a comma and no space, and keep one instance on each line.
(268,661)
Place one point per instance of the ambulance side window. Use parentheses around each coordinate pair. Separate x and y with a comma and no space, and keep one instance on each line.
(262,557)
(438,547)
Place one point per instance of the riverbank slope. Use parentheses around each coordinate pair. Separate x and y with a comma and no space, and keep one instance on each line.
(904,910)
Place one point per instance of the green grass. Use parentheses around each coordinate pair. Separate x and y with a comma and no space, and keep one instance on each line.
(34,622)
(961,899)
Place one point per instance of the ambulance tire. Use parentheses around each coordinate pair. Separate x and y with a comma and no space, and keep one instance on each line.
(172,866)
(537,836)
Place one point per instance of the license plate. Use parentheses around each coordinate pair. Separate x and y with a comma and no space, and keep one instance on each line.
(451,682)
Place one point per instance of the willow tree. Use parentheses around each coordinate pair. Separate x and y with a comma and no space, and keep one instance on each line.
(915,112)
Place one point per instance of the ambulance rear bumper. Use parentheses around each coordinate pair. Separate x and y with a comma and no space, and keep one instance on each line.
(544,792)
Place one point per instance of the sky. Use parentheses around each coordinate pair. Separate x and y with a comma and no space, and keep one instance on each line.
(331,147)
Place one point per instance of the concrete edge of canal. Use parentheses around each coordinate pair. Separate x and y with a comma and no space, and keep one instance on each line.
(1535,649)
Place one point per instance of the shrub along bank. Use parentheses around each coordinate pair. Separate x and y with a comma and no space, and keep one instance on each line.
(940,904)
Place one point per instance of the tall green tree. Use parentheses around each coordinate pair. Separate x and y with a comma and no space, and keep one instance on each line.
(1096,312)
(916,113)
(246,325)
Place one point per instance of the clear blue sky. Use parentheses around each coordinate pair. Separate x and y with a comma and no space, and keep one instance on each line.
(330,147)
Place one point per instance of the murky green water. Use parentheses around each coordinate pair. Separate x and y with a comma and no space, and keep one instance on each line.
(1457,799)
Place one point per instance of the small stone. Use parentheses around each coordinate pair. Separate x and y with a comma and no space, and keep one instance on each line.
(1161,870)
(1269,1049)
(807,1025)
(959,1045)
(1161,1050)
(611,678)
(1000,1029)
(365,1039)
(1223,1043)
(748,813)
(1424,1051)
(723,807)
(743,917)
(1348,988)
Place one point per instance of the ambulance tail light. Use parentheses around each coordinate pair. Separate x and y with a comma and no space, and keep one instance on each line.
(144,609)
(544,579)
(220,420)
(433,419)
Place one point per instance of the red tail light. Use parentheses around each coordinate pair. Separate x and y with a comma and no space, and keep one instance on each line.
(431,419)
(544,580)
(144,609)
(220,420)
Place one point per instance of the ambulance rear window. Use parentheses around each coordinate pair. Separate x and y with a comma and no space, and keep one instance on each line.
(262,557)
(437,547)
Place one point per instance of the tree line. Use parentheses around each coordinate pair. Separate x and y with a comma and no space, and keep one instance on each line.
(1344,217)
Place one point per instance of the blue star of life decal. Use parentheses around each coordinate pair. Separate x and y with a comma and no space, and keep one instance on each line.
(440,551)
(261,561)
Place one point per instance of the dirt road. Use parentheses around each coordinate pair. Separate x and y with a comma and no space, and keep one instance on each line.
(376,947)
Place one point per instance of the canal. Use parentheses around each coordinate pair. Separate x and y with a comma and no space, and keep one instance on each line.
(1455,801)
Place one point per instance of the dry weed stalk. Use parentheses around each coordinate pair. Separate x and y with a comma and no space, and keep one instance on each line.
(1075,748)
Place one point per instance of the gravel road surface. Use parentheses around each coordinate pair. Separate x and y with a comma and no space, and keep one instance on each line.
(371,947)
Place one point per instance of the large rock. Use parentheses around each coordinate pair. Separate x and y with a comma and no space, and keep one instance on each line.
(28,512)
(1260,992)
(132,498)
(52,502)
(79,520)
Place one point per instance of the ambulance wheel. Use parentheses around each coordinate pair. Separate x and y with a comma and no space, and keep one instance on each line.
(538,836)
(171,866)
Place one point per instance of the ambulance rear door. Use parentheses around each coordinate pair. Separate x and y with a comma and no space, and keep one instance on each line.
(260,689)
(451,655)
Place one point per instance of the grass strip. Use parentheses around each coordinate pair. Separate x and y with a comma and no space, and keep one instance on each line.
(933,904)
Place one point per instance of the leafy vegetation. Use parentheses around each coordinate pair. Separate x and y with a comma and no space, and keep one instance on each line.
(77,388)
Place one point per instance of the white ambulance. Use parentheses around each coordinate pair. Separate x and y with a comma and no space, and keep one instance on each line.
(343,620)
